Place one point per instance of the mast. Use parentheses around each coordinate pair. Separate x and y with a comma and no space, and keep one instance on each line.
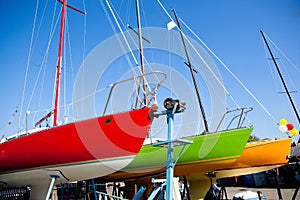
(58,70)
(141,48)
(192,73)
(281,77)
(59,59)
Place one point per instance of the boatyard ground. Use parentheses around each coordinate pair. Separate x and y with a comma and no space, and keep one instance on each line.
(270,193)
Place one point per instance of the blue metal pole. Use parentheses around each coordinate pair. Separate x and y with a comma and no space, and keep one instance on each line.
(53,179)
(170,163)
(139,193)
(94,190)
(173,107)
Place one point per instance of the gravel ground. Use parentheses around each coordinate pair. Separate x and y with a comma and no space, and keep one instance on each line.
(270,193)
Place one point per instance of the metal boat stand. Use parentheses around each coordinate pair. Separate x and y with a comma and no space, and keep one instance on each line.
(53,178)
(54,175)
(104,195)
(222,192)
(210,193)
(162,185)
(172,107)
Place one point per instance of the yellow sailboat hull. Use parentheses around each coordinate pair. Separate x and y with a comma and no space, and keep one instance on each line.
(256,157)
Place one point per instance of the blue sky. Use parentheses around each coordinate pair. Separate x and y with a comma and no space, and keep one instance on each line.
(229,28)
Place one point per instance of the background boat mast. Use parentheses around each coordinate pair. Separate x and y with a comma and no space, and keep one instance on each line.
(281,77)
(193,75)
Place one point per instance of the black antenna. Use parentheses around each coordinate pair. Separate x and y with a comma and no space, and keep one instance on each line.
(192,73)
(281,77)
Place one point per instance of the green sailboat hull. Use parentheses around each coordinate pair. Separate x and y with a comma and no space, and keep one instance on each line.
(207,153)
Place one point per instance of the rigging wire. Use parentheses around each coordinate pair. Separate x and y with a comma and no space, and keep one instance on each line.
(111,9)
(84,46)
(43,65)
(128,11)
(131,37)
(284,68)
(45,58)
(70,57)
(292,64)
(205,63)
(169,62)
(40,24)
(116,17)
(124,37)
(222,63)
(271,68)
(28,62)
(148,31)
(121,31)
(66,111)
(202,59)
(67,105)
(231,73)
(276,83)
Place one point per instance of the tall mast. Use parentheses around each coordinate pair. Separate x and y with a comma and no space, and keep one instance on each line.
(141,48)
(58,70)
(59,59)
(281,77)
(192,73)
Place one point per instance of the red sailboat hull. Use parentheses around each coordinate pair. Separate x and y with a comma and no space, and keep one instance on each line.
(118,135)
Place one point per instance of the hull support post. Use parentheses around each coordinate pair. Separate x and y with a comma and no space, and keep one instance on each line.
(173,107)
(53,179)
